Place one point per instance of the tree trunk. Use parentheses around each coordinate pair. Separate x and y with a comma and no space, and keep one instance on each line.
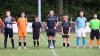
(60,8)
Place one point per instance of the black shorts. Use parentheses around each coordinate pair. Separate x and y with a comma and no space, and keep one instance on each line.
(95,33)
(8,32)
(51,32)
(65,36)
(36,35)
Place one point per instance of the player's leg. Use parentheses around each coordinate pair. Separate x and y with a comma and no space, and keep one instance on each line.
(53,41)
(49,41)
(64,42)
(92,35)
(49,37)
(68,45)
(53,37)
(11,37)
(83,37)
(20,39)
(38,34)
(78,37)
(5,37)
(34,39)
(20,42)
(24,38)
(98,37)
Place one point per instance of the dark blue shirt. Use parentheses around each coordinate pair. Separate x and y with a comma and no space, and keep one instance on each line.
(51,21)
(36,26)
(65,25)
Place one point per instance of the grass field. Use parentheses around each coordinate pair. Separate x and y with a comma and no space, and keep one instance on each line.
(44,51)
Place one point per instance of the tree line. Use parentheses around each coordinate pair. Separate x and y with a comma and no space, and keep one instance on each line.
(61,7)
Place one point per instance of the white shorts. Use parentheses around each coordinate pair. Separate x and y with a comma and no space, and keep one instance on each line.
(81,32)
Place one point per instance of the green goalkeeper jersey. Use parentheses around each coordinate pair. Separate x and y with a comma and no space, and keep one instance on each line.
(94,24)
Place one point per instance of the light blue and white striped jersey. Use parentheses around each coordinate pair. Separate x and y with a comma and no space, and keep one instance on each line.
(81,22)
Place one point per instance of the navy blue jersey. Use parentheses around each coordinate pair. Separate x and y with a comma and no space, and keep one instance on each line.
(65,25)
(51,21)
(36,26)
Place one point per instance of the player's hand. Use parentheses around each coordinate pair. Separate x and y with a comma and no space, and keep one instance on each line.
(40,31)
(62,33)
(46,27)
(68,33)
(54,27)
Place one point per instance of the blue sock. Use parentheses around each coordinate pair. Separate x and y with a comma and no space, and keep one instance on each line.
(78,41)
(84,41)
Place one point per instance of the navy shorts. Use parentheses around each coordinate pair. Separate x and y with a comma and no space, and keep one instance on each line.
(36,35)
(65,36)
(95,33)
(8,32)
(51,32)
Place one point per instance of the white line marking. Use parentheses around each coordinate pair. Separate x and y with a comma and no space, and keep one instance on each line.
(52,50)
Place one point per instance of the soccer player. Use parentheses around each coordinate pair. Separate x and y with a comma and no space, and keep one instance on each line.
(22,29)
(81,24)
(65,31)
(51,23)
(8,28)
(95,26)
(36,26)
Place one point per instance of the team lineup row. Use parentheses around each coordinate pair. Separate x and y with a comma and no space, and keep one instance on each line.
(50,23)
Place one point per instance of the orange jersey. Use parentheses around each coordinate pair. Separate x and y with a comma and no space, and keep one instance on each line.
(22,26)
(22,23)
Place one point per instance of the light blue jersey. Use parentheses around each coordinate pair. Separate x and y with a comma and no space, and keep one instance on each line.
(81,22)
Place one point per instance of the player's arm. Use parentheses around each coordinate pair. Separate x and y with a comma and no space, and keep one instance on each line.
(32,27)
(62,31)
(85,22)
(69,29)
(40,28)
(26,22)
(18,22)
(13,21)
(56,22)
(62,28)
(45,23)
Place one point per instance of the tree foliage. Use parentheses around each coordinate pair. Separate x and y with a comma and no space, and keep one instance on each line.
(70,7)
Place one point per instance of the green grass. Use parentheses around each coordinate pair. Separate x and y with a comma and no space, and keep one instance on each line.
(44,51)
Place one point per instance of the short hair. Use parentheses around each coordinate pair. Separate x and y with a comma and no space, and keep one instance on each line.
(94,14)
(36,16)
(23,13)
(66,16)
